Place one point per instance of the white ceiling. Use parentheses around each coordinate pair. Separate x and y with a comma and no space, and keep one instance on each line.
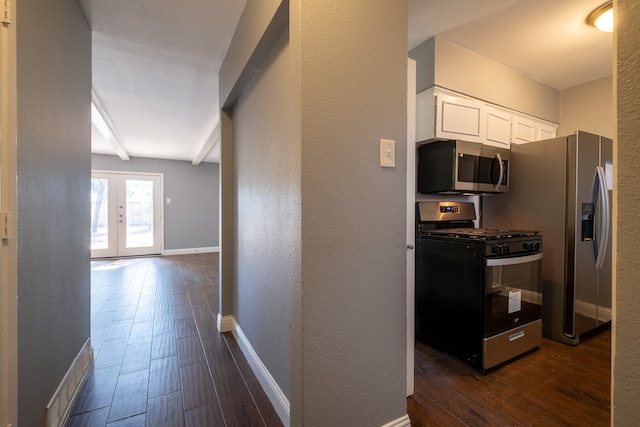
(155,62)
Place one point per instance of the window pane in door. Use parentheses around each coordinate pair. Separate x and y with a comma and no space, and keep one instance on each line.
(99,214)
(139,213)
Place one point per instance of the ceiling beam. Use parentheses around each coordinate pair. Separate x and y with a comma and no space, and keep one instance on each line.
(208,145)
(101,120)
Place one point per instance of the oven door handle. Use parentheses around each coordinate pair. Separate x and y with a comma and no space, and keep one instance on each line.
(497,262)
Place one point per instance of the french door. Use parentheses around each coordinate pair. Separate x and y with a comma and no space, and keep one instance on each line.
(126,214)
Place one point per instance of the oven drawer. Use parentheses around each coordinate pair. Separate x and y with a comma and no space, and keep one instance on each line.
(514,342)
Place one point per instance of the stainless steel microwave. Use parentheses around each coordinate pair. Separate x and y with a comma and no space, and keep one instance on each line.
(462,167)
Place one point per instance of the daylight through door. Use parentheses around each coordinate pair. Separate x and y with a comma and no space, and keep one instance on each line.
(126,214)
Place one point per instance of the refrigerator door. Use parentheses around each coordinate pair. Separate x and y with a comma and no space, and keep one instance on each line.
(591,226)
(605,274)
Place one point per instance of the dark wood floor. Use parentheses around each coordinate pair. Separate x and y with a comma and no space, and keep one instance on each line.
(558,385)
(159,359)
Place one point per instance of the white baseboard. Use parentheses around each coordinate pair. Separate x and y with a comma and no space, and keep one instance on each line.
(400,422)
(269,385)
(225,323)
(59,407)
(592,311)
(189,251)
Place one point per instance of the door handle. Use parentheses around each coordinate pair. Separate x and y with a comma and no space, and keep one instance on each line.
(501,177)
(599,191)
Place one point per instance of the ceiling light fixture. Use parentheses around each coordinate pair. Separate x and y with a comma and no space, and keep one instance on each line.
(602,17)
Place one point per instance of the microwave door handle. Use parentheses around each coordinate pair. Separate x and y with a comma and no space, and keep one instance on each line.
(501,177)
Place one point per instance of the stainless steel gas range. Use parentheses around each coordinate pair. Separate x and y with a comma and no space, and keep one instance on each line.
(478,291)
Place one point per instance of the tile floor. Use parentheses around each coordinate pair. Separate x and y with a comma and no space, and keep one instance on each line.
(159,358)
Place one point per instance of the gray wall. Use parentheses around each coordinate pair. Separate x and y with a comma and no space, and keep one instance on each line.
(456,68)
(626,225)
(191,219)
(588,107)
(353,72)
(267,180)
(335,218)
(261,25)
(53,169)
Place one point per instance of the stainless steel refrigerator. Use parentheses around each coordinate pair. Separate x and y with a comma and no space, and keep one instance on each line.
(562,187)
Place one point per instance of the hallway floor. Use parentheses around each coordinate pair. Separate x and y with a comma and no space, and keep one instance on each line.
(159,358)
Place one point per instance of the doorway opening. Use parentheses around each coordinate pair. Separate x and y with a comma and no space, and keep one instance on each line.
(126,214)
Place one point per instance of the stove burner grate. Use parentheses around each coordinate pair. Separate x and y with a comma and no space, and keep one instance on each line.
(479,233)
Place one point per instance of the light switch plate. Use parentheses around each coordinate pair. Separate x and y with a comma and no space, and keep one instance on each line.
(387,153)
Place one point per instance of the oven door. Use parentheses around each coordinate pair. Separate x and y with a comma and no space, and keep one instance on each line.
(513,291)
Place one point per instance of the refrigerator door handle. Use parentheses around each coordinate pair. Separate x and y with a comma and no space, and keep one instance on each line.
(599,189)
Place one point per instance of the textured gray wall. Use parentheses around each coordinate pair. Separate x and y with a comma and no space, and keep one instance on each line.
(321,195)
(626,226)
(588,107)
(353,62)
(53,168)
(191,219)
(261,24)
(267,177)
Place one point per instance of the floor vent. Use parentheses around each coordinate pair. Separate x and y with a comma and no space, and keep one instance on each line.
(58,409)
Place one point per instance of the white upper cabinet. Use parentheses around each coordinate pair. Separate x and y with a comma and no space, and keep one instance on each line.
(523,130)
(498,127)
(526,129)
(546,131)
(443,114)
(459,118)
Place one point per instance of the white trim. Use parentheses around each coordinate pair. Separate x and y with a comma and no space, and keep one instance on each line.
(212,140)
(187,251)
(400,422)
(225,323)
(593,312)
(103,123)
(411,220)
(8,248)
(59,407)
(270,386)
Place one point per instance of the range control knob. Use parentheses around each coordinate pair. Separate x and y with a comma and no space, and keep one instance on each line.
(532,245)
(500,249)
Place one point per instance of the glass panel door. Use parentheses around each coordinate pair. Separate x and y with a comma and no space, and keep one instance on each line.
(103,221)
(126,214)
(139,215)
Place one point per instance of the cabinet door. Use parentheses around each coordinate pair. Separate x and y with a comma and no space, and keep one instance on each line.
(459,118)
(498,127)
(546,131)
(425,115)
(524,130)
